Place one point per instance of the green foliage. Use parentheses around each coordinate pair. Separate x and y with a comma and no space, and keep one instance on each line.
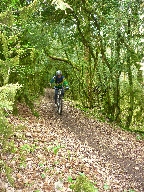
(93,48)
(106,187)
(70,179)
(55,148)
(8,171)
(43,176)
(26,148)
(7,95)
(138,107)
(19,61)
(96,78)
(140,136)
(5,129)
(83,184)
(130,190)
(7,18)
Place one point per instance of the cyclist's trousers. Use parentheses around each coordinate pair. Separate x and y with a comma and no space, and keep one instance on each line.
(56,92)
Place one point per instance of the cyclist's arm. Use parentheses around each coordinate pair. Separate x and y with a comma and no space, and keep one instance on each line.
(52,80)
(65,83)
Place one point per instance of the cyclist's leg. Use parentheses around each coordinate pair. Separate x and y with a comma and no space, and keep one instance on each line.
(56,92)
(62,92)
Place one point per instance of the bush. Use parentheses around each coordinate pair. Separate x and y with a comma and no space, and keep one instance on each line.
(7,97)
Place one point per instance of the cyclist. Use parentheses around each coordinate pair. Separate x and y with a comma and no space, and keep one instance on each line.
(60,83)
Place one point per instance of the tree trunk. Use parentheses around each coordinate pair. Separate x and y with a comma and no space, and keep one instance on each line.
(131,94)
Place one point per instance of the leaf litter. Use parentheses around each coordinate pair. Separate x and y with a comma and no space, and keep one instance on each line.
(52,149)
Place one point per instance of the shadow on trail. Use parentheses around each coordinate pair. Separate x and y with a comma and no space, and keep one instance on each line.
(100,137)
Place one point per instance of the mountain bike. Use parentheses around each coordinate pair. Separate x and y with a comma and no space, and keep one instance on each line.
(60,99)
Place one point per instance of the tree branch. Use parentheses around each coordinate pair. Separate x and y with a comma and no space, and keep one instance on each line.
(64,60)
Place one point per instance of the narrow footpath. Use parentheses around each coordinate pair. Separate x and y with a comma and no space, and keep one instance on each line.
(68,144)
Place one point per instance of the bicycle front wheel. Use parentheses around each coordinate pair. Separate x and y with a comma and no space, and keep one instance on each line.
(60,106)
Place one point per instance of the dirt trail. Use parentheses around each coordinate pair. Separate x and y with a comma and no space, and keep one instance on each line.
(117,152)
(111,157)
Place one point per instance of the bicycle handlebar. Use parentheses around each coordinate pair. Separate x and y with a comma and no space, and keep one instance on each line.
(60,88)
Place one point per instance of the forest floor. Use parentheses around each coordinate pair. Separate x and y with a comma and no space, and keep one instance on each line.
(53,149)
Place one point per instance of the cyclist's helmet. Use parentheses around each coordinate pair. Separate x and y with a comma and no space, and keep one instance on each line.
(59,72)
